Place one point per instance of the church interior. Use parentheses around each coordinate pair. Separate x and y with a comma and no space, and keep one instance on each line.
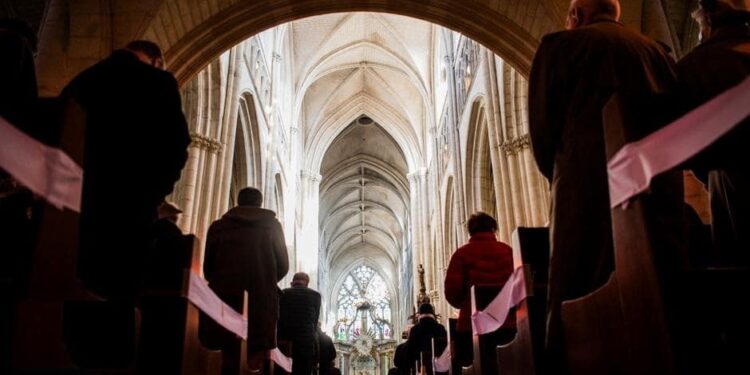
(374,129)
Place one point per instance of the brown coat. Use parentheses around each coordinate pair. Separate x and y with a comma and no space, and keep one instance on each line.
(245,251)
(573,75)
(718,64)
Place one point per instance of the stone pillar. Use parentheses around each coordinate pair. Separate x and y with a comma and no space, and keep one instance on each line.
(229,124)
(454,138)
(494,125)
(415,228)
(501,129)
(307,248)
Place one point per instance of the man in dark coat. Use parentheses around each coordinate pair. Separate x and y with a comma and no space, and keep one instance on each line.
(573,75)
(246,251)
(299,311)
(422,335)
(719,63)
(484,261)
(136,140)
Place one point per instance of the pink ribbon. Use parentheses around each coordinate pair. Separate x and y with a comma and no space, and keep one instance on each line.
(207,301)
(47,171)
(443,363)
(201,295)
(633,167)
(495,314)
(280,359)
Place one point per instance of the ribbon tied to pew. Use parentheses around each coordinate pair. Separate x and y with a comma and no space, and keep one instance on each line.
(201,295)
(494,315)
(631,169)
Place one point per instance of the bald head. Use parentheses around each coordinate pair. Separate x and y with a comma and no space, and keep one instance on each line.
(584,12)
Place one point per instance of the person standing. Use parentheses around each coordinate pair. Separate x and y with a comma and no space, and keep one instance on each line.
(299,309)
(422,335)
(573,75)
(721,61)
(484,261)
(246,252)
(136,140)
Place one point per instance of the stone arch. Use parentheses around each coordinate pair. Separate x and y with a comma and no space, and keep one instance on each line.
(480,173)
(511,29)
(328,130)
(247,171)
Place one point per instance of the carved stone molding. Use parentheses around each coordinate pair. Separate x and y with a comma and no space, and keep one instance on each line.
(516,145)
(206,143)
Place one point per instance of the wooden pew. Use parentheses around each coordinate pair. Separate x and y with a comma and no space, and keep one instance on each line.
(524,355)
(455,366)
(657,314)
(485,346)
(169,341)
(622,328)
(60,326)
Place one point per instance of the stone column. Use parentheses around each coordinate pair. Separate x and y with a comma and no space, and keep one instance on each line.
(415,221)
(307,249)
(494,125)
(229,124)
(454,138)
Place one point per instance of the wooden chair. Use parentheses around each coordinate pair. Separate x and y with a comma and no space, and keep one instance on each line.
(524,355)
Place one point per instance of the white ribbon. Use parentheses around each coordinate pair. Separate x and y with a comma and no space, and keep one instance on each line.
(495,314)
(632,168)
(47,171)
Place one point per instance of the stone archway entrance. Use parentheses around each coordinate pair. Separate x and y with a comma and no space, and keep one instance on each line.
(195,32)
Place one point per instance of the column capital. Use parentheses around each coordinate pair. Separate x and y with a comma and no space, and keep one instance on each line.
(310,175)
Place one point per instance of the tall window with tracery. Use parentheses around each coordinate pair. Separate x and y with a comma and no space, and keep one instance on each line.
(363,306)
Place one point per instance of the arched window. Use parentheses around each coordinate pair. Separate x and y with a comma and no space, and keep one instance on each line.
(363,306)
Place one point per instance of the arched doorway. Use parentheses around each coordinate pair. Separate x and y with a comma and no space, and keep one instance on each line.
(195,32)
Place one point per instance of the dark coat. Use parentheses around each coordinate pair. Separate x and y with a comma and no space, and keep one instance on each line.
(245,251)
(326,353)
(299,309)
(136,140)
(401,359)
(573,75)
(18,89)
(420,340)
(718,64)
(484,261)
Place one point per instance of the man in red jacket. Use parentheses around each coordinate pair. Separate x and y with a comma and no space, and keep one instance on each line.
(484,261)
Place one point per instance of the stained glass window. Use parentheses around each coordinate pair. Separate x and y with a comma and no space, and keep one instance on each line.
(363,306)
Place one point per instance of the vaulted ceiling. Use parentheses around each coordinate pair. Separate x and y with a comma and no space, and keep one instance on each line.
(350,64)
(364,97)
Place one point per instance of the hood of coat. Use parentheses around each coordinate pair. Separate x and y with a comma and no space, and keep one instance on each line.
(250,214)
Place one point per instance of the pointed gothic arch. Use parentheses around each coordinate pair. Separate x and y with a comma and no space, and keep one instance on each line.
(480,173)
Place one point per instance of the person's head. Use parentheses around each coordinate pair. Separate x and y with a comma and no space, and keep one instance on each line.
(22,29)
(300,279)
(426,309)
(714,14)
(148,52)
(169,211)
(481,222)
(584,12)
(250,196)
